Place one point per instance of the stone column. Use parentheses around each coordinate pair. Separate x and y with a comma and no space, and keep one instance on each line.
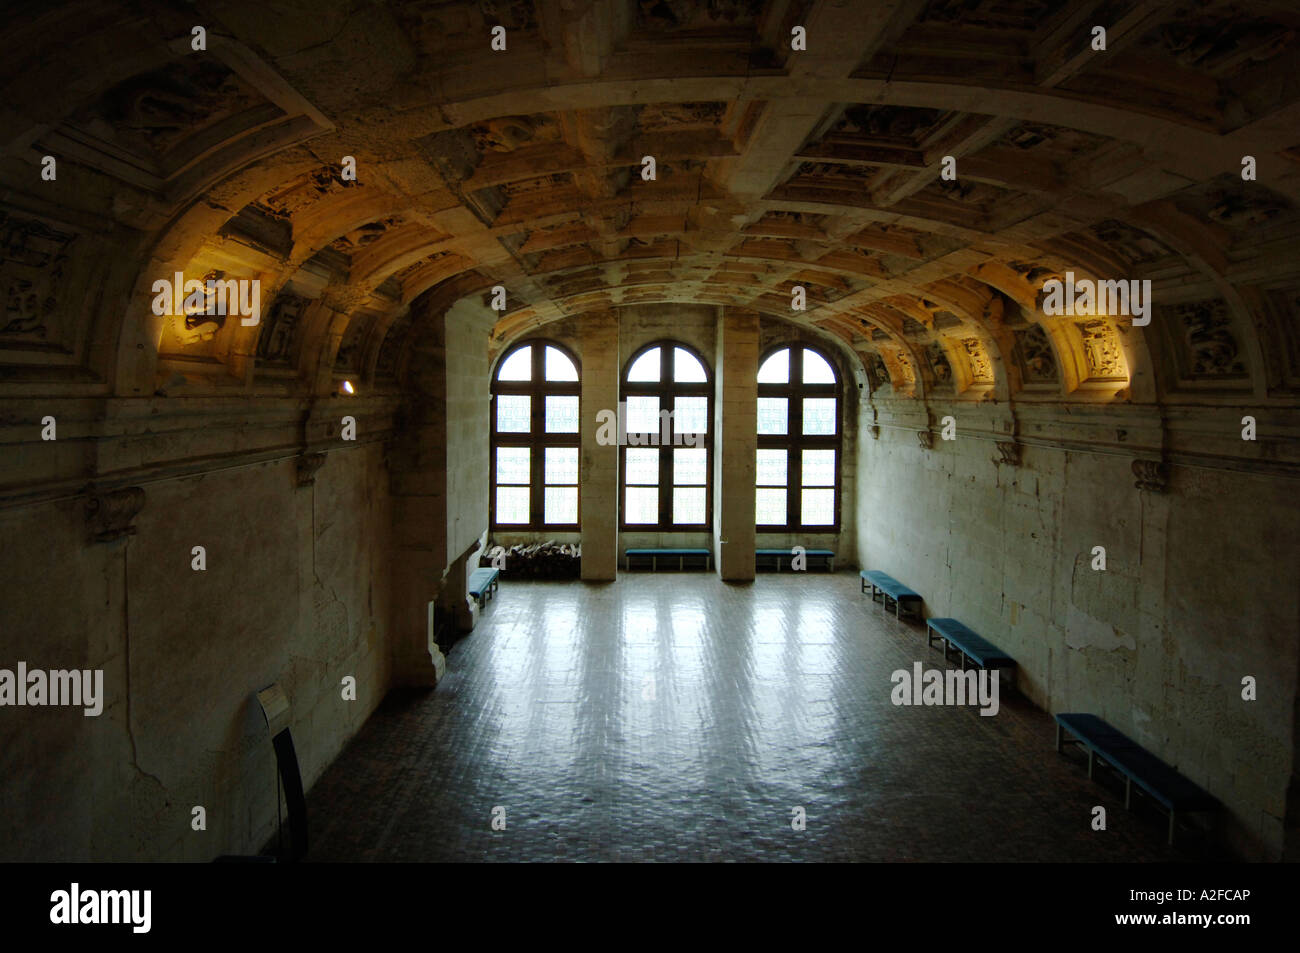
(439,482)
(735,442)
(599,462)
(417,482)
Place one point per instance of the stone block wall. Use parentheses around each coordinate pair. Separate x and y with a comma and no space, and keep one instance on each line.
(295,591)
(1191,601)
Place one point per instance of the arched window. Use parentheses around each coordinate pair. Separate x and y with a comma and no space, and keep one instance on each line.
(535,439)
(798,442)
(667,455)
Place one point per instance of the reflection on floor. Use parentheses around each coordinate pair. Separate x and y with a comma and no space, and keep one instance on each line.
(673,717)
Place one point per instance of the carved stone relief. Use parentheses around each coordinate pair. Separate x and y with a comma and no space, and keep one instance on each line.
(1213,43)
(367,234)
(152,113)
(507,133)
(33,261)
(876,370)
(307,466)
(274,344)
(1212,349)
(1152,475)
(938,360)
(1101,349)
(981,367)
(1036,356)
(1133,245)
(109,514)
(660,116)
(1008,453)
(887,122)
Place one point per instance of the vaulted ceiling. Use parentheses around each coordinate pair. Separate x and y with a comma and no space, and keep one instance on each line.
(774,168)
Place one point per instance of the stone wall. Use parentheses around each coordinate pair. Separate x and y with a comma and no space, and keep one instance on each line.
(1192,598)
(295,591)
(468,425)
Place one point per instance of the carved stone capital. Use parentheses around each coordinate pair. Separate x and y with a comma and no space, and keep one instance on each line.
(1009,452)
(110,513)
(1151,475)
(308,464)
(925,438)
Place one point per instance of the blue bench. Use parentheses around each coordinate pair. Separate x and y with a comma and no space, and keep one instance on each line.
(681,555)
(482,583)
(972,646)
(889,588)
(1163,784)
(779,556)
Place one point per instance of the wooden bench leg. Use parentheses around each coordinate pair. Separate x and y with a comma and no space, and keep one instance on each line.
(1091,758)
(1128,793)
(1058,737)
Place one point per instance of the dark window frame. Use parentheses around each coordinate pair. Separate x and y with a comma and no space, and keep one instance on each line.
(537,439)
(667,390)
(794,443)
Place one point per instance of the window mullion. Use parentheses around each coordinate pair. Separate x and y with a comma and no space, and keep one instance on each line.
(665,460)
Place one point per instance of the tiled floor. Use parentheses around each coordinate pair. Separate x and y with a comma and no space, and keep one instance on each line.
(674,717)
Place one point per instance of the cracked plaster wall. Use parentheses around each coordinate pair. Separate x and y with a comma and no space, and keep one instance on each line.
(295,591)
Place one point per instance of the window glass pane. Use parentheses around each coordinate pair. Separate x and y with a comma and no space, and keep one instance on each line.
(559,368)
(512,464)
(776,369)
(561,504)
(818,507)
(689,467)
(815,369)
(771,468)
(643,415)
(818,415)
(561,465)
(512,504)
(688,504)
(691,415)
(514,413)
(772,415)
(646,367)
(641,466)
(686,367)
(642,505)
(518,366)
(770,505)
(562,414)
(819,468)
